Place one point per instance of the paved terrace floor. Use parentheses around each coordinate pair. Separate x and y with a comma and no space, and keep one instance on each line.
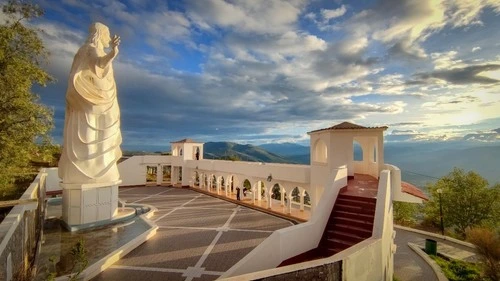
(199,236)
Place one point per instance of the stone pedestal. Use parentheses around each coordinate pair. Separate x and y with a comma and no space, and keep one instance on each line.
(89,205)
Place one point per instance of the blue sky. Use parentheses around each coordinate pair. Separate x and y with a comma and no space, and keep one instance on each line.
(269,71)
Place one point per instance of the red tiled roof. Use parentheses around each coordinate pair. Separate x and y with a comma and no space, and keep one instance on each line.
(185,141)
(349,126)
(413,190)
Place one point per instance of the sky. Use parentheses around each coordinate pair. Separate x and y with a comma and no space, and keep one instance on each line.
(266,71)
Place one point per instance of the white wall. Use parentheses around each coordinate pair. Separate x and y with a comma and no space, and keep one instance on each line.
(52,180)
(280,172)
(291,241)
(133,170)
(396,189)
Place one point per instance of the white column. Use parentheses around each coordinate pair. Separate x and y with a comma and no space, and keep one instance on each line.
(282,195)
(301,201)
(159,174)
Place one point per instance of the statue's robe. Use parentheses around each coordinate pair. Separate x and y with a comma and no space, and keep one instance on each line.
(92,137)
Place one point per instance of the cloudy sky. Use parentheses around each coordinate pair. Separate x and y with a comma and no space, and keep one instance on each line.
(264,71)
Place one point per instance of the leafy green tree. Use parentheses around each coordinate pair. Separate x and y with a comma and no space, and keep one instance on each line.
(467,201)
(405,213)
(24,122)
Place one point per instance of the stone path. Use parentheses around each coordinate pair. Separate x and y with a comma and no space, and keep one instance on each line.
(199,237)
(409,266)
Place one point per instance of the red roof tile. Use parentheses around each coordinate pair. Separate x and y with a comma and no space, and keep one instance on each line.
(349,126)
(413,190)
(185,141)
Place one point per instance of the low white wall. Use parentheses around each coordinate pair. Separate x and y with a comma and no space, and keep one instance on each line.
(18,230)
(280,172)
(133,170)
(306,236)
(52,180)
(396,189)
(366,167)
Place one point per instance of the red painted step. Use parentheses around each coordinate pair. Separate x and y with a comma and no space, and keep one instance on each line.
(350,222)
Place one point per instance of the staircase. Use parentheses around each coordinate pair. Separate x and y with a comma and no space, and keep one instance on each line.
(351,222)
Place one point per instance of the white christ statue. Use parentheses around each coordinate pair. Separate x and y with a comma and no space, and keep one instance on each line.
(92,136)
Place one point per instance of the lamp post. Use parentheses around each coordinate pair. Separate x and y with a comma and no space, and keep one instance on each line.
(440,191)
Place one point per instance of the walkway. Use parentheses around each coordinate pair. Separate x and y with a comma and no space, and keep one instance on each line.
(199,236)
(409,266)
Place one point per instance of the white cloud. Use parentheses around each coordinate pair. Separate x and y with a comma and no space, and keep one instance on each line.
(335,13)
(260,16)
(475,49)
(446,60)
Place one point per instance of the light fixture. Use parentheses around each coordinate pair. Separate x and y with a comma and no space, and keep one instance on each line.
(270,178)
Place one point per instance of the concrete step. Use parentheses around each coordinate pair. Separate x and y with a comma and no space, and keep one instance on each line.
(347,215)
(363,224)
(357,198)
(353,209)
(361,204)
(360,232)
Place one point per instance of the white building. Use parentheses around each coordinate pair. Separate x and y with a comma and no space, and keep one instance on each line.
(356,194)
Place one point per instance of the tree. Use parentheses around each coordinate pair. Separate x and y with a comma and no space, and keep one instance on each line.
(467,201)
(405,213)
(24,122)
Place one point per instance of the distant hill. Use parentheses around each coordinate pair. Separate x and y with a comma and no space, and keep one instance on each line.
(246,152)
(421,162)
(286,149)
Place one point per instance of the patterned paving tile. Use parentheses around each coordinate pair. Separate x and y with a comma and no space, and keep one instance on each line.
(115,274)
(170,248)
(231,247)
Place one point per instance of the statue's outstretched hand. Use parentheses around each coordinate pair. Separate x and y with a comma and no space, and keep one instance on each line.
(115,42)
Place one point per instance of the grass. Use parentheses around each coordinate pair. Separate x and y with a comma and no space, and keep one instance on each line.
(457,270)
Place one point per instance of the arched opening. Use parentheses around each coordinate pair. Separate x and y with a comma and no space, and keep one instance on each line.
(196,179)
(222,184)
(296,195)
(276,192)
(263,191)
(151,172)
(320,152)
(247,188)
(197,153)
(214,183)
(180,174)
(167,174)
(357,151)
(375,153)
(234,183)
(307,199)
(180,152)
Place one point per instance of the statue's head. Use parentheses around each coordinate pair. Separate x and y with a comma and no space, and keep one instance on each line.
(98,32)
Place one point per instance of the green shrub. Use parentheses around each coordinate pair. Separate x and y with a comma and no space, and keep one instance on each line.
(457,270)
(488,247)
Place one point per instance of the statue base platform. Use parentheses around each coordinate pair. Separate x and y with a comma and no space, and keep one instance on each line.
(89,205)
